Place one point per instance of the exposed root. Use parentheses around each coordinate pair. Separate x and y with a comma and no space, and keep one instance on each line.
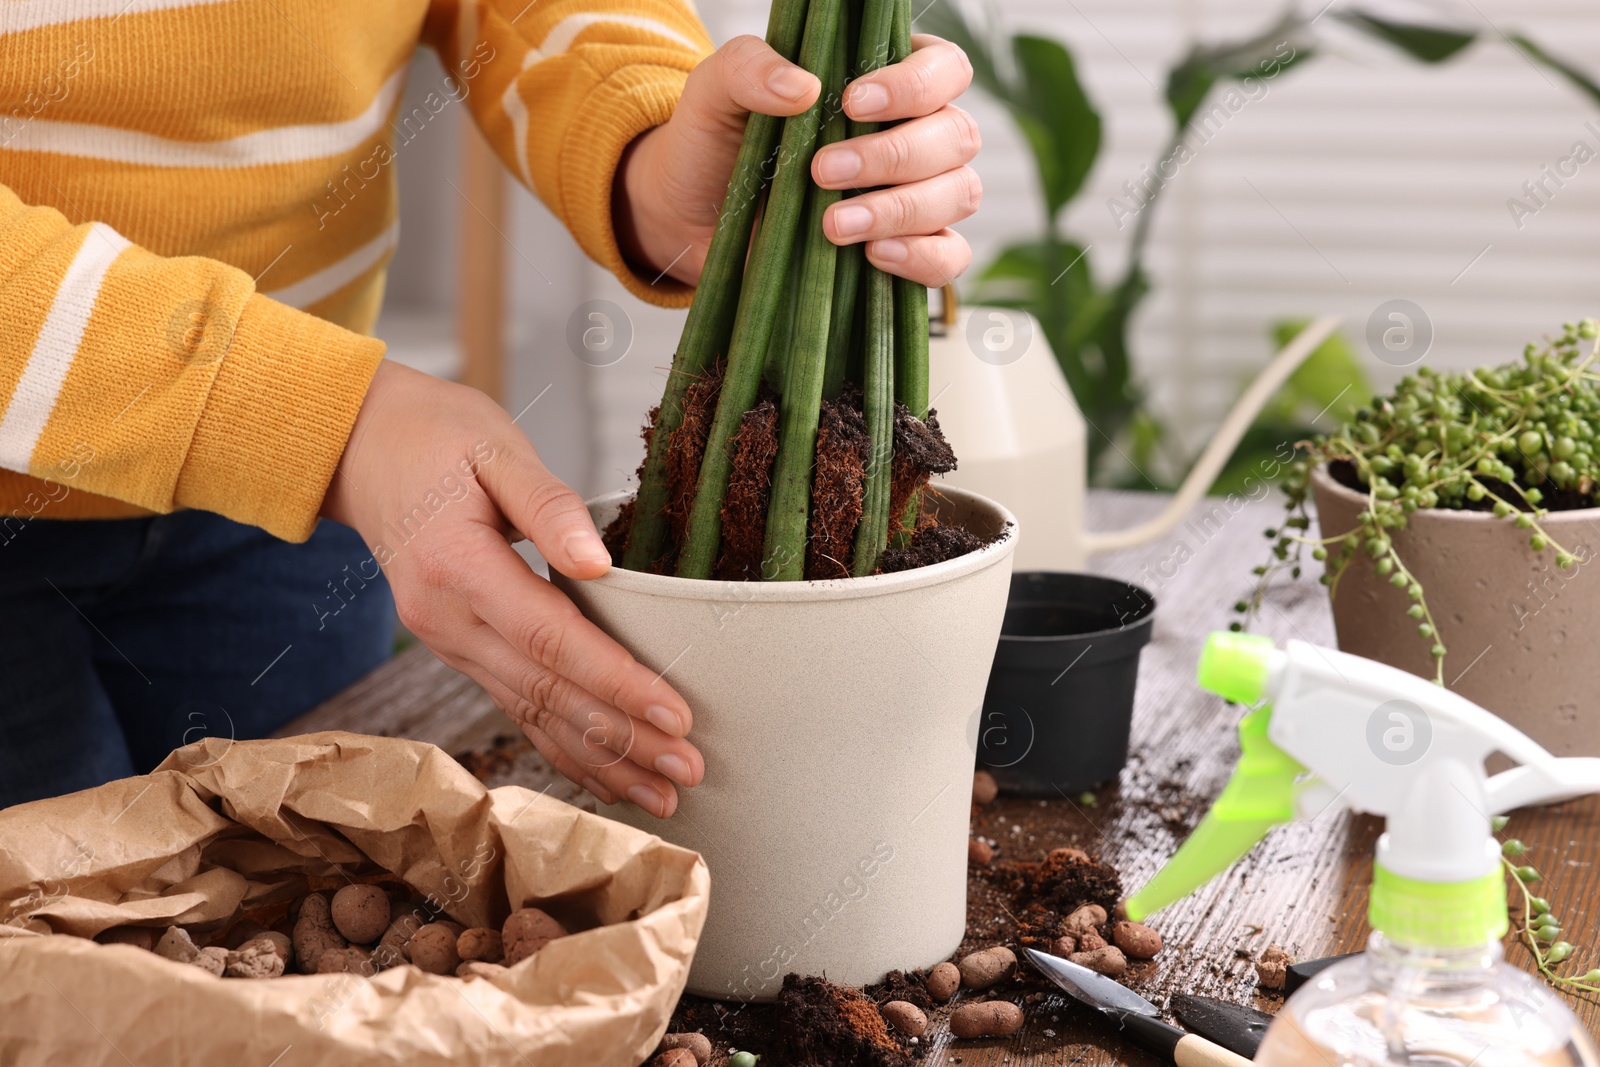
(744,509)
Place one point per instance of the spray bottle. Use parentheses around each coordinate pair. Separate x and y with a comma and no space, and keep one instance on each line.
(1336,730)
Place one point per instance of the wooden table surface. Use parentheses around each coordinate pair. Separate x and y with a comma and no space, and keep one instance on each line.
(1304,888)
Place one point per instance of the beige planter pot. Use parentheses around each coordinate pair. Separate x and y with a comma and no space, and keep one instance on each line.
(1523,634)
(839,725)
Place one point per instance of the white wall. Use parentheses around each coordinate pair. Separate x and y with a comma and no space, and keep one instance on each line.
(1358,178)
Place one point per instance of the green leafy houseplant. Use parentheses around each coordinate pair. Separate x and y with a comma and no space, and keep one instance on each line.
(1517,441)
(789,351)
(1086,321)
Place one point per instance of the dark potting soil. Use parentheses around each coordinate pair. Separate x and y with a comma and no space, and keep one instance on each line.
(920,451)
(929,545)
(686,447)
(1554,499)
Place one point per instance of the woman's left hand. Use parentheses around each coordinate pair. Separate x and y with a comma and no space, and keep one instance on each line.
(672,180)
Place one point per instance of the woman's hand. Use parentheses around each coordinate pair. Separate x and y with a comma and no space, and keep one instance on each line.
(673,179)
(439,481)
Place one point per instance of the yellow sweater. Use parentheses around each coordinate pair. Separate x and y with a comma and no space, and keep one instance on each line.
(198,205)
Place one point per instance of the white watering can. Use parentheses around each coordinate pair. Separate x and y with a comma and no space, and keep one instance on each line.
(1005,406)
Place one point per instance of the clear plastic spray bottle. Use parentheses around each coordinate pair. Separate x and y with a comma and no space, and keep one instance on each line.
(1433,988)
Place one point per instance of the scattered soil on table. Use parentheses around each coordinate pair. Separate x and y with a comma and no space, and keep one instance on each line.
(822,1023)
(837,488)
(744,509)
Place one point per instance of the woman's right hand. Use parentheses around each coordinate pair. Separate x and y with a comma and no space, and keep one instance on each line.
(439,482)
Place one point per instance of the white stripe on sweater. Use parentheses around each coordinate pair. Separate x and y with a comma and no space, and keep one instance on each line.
(19,15)
(56,346)
(284,144)
(557,41)
(335,276)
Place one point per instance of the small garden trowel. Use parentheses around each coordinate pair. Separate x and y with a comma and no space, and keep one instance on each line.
(1236,1027)
(1138,1018)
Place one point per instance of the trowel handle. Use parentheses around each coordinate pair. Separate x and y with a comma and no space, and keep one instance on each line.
(1183,1048)
(1196,1051)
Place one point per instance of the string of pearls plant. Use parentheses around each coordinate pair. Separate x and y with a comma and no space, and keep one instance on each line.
(1538,928)
(1514,440)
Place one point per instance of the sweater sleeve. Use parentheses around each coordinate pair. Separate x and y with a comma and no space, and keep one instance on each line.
(167,383)
(561,87)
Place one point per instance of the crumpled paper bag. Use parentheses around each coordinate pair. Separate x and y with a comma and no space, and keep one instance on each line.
(224,826)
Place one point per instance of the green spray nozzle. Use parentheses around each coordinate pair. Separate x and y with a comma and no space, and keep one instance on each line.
(1259,796)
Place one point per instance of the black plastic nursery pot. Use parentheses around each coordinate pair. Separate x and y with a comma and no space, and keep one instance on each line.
(1060,699)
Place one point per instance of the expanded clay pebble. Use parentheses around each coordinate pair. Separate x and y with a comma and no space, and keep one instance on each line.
(351,960)
(213,960)
(943,981)
(979,852)
(1273,966)
(176,945)
(905,1017)
(1090,941)
(984,788)
(990,1018)
(1107,960)
(526,931)
(261,958)
(1136,939)
(480,944)
(698,1045)
(360,913)
(403,926)
(1063,946)
(675,1057)
(989,967)
(314,932)
(242,931)
(1087,918)
(137,936)
(433,949)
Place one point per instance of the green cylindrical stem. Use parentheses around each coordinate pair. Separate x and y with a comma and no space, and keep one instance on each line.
(789,508)
(877,401)
(910,306)
(758,303)
(776,366)
(711,317)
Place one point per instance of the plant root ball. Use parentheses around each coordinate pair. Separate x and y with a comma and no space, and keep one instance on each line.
(1136,940)
(137,936)
(352,960)
(1107,960)
(314,933)
(984,788)
(991,1018)
(698,1045)
(987,968)
(943,981)
(675,1057)
(1273,966)
(480,944)
(360,913)
(905,1017)
(263,957)
(979,852)
(526,931)
(433,949)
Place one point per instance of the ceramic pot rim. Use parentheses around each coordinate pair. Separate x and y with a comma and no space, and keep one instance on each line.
(1328,484)
(673,587)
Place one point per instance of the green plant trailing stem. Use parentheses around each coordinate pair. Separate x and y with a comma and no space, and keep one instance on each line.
(784,551)
(758,301)
(711,317)
(1500,437)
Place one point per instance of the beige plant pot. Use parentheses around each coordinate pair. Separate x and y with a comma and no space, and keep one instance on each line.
(839,725)
(1522,634)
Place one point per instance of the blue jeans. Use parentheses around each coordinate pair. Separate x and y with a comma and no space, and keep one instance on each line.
(122,639)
